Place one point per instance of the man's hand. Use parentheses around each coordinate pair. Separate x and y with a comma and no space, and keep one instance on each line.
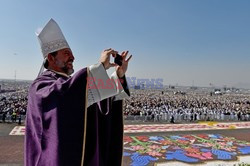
(105,58)
(121,70)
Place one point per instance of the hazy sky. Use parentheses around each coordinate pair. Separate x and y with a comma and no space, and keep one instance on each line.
(181,41)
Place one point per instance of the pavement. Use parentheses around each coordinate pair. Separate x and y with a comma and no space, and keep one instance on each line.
(196,144)
(11,147)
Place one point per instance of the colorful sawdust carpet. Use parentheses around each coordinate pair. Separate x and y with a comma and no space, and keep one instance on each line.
(145,150)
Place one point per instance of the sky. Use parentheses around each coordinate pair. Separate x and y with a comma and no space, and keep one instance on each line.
(183,42)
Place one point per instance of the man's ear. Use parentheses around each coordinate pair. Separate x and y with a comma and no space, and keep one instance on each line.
(50,58)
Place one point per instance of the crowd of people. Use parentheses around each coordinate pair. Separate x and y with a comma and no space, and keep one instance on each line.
(13,103)
(169,105)
(174,106)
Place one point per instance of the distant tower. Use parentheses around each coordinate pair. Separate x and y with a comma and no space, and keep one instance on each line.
(0,88)
(15,79)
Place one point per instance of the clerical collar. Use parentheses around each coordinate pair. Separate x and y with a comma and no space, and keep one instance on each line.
(60,73)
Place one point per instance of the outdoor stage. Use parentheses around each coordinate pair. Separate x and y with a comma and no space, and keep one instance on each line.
(161,144)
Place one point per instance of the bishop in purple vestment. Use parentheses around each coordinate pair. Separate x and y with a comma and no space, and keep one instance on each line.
(68,123)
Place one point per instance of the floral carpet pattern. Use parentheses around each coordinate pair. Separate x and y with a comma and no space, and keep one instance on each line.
(199,148)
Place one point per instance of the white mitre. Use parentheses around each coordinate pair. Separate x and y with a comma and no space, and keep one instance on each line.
(51,38)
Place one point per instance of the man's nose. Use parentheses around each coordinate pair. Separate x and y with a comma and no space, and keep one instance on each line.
(72,56)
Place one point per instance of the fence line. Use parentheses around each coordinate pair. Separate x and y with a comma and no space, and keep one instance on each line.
(184,118)
(157,118)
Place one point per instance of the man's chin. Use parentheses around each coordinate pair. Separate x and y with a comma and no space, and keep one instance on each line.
(70,71)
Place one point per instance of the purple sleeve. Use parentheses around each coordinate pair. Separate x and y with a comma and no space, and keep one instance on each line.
(47,86)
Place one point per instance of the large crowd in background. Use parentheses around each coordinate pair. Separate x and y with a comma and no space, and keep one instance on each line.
(165,105)
(13,102)
(186,106)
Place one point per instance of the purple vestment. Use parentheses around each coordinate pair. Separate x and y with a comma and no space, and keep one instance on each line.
(59,128)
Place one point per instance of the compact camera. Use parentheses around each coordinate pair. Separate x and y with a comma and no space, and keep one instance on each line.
(118,59)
